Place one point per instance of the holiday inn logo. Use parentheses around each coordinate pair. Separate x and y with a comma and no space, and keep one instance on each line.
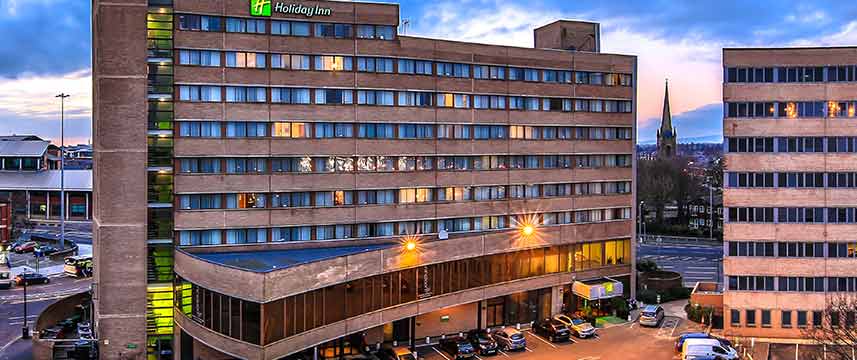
(266,7)
(260,7)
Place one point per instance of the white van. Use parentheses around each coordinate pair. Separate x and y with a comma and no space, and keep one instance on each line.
(707,349)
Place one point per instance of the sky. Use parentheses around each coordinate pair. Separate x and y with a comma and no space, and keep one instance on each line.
(47,49)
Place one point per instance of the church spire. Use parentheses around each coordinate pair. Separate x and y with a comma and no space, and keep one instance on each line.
(666,117)
(667,135)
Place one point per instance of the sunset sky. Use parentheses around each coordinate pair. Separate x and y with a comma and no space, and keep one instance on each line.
(47,49)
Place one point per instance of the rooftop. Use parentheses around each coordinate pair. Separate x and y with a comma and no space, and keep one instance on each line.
(25,148)
(75,180)
(270,260)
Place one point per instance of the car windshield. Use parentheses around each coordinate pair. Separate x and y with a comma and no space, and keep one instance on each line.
(517,336)
(648,313)
(577,321)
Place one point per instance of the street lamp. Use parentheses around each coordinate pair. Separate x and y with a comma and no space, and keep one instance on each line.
(62,97)
(642,217)
(25,331)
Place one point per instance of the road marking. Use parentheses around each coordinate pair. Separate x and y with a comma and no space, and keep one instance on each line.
(440,353)
(21,317)
(700,272)
(477,356)
(21,322)
(542,340)
(528,349)
(672,333)
(9,343)
(703,267)
(504,354)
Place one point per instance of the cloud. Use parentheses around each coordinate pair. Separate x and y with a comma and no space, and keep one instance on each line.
(34,109)
(44,37)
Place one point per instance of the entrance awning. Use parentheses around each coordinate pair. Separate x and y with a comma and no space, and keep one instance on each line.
(603,288)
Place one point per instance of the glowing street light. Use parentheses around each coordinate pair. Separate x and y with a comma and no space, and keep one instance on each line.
(528,230)
(410,245)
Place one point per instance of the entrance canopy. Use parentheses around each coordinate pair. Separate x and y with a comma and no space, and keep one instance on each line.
(603,288)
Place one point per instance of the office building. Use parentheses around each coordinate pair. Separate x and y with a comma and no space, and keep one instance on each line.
(318,182)
(789,194)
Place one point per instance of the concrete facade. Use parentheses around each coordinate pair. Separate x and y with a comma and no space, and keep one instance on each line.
(584,94)
(826,123)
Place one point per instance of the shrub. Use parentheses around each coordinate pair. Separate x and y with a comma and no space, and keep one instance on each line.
(620,306)
(647,265)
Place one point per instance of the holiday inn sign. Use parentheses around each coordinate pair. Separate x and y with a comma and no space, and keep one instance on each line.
(265,7)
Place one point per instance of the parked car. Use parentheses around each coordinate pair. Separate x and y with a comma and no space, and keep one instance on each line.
(699,335)
(397,353)
(579,327)
(482,342)
(553,330)
(458,347)
(26,247)
(651,315)
(509,338)
(31,278)
(694,349)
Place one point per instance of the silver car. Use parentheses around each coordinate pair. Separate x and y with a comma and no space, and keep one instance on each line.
(510,339)
(651,315)
(578,326)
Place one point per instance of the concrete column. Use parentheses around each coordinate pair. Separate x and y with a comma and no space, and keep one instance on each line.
(28,203)
(86,214)
(556,299)
(48,211)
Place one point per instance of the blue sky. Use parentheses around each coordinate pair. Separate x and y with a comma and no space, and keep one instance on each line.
(48,48)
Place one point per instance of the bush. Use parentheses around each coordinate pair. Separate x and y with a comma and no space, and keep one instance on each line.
(620,306)
(698,313)
(647,296)
(647,265)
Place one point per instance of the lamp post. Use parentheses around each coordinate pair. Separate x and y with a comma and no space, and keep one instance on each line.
(62,97)
(25,331)
(642,220)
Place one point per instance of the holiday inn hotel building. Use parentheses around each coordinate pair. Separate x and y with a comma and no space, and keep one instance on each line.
(276,179)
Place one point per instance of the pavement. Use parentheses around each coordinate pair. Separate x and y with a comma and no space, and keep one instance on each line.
(695,262)
(628,341)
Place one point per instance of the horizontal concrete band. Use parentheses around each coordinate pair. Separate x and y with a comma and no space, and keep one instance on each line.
(268,286)
(362,322)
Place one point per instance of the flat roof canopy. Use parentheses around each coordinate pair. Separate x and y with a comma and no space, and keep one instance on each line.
(270,260)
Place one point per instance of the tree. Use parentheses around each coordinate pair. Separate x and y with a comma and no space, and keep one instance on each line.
(838,333)
(655,185)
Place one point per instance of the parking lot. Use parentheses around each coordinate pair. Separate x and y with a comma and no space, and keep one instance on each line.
(628,341)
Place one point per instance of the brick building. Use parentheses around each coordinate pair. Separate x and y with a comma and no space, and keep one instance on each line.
(789,193)
(318,183)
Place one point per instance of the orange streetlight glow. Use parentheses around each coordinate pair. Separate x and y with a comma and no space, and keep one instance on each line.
(410,245)
(528,230)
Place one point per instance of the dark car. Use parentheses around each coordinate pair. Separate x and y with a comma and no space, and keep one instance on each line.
(698,335)
(458,347)
(482,342)
(553,330)
(31,278)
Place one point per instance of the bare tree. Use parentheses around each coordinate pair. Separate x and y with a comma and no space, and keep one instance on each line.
(837,337)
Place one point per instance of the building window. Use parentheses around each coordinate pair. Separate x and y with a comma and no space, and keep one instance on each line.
(333,63)
(245,94)
(195,93)
(766,318)
(371,64)
(786,318)
(200,23)
(245,60)
(337,97)
(293,28)
(339,31)
(291,62)
(735,317)
(199,57)
(290,96)
(255,26)
(380,32)
(750,317)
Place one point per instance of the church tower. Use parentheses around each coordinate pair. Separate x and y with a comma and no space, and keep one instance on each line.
(666,134)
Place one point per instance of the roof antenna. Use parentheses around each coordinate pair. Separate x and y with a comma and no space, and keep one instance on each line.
(405,24)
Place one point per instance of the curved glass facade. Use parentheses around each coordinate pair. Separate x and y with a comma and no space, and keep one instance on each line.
(243,320)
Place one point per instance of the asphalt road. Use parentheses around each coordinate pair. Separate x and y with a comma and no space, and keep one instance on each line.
(693,262)
(39,297)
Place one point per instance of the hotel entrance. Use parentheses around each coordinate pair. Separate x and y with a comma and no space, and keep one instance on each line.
(519,308)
